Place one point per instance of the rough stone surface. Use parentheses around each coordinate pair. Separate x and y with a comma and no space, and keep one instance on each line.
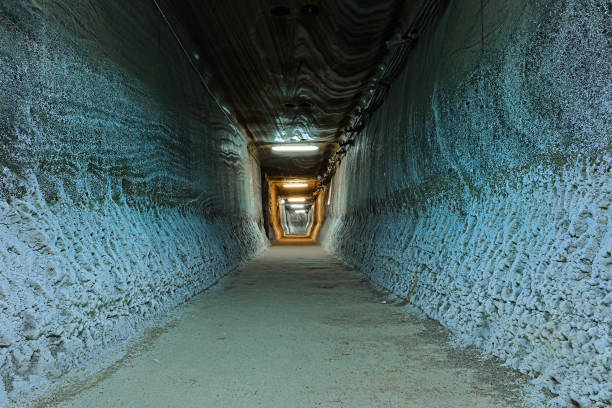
(123,189)
(482,189)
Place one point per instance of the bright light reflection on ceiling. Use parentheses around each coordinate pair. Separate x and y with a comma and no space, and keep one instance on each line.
(295,148)
(295,185)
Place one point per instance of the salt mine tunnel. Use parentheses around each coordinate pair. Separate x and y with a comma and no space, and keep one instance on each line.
(305,203)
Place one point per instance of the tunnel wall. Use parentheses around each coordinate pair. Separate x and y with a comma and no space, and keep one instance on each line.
(123,189)
(481,190)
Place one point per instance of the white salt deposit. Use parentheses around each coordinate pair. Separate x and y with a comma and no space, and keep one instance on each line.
(526,280)
(487,175)
(75,279)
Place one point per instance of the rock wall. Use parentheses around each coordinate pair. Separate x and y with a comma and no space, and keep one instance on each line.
(123,189)
(482,189)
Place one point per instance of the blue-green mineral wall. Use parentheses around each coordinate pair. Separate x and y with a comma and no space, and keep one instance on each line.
(482,188)
(123,188)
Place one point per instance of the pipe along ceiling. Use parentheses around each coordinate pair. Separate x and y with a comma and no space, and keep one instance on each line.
(291,71)
(299,79)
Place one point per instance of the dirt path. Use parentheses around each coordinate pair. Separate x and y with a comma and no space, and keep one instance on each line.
(296,328)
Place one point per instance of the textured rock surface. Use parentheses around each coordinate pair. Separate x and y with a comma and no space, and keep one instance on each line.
(482,189)
(123,190)
(291,71)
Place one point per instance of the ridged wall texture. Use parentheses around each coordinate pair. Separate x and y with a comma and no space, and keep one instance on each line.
(123,188)
(482,189)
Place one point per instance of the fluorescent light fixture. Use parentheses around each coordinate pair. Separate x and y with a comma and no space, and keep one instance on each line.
(300,211)
(295,185)
(297,200)
(295,148)
(297,205)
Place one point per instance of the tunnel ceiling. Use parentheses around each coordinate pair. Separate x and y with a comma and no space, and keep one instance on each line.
(290,71)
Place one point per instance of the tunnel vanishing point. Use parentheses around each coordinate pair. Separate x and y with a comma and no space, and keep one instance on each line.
(456,154)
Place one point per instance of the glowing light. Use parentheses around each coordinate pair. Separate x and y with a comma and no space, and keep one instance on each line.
(283,201)
(300,211)
(295,185)
(295,148)
(297,205)
(297,200)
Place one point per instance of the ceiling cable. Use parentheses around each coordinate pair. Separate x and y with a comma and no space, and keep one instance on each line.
(202,78)
(391,71)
